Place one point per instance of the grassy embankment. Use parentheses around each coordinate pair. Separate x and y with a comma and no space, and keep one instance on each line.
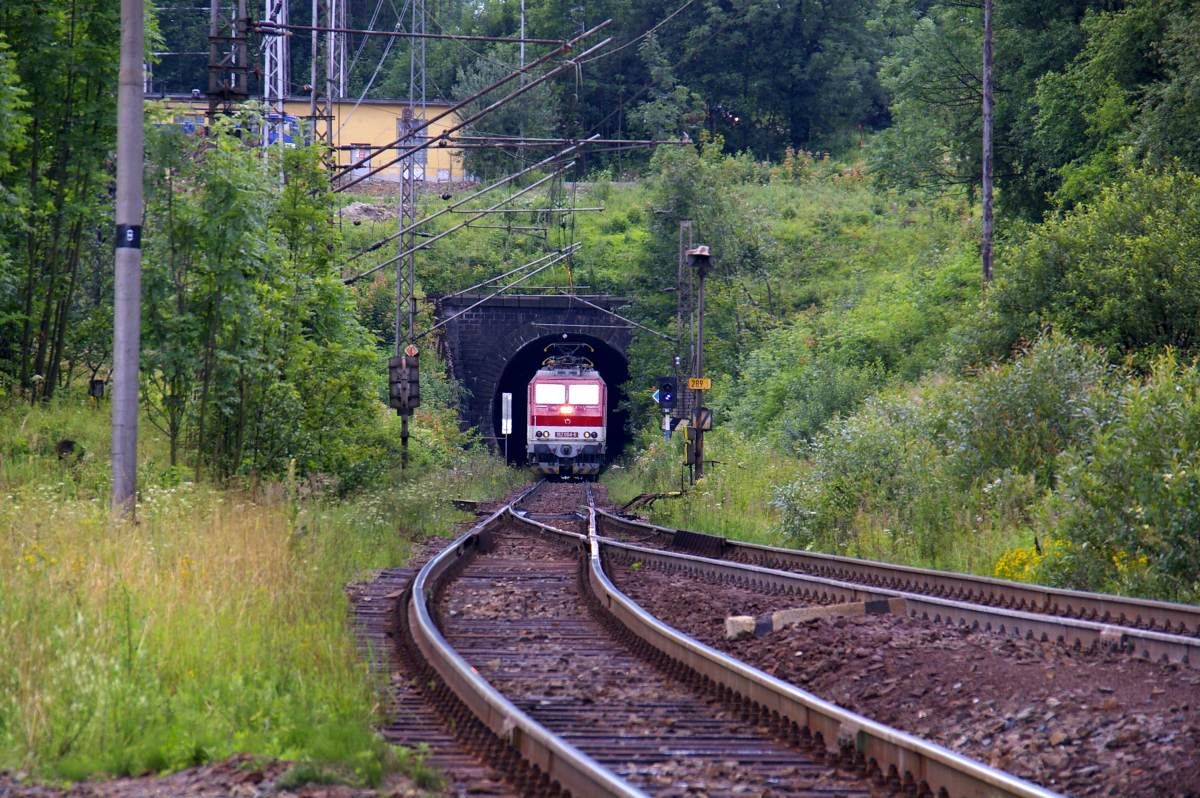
(215,624)
(1047,431)
(876,286)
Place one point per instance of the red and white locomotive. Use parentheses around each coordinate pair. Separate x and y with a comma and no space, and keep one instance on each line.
(568,414)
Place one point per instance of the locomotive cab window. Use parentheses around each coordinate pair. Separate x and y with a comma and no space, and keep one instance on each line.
(585,394)
(546,393)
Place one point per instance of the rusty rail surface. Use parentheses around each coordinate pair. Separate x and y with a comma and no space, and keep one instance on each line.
(879,749)
(1133,613)
(557,759)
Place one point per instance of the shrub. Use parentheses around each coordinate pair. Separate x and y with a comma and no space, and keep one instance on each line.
(1122,272)
(881,459)
(1129,501)
(1021,415)
(917,473)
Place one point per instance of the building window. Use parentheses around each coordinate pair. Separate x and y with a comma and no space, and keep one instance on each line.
(357,153)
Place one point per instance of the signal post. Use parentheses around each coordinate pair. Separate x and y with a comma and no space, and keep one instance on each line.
(700,421)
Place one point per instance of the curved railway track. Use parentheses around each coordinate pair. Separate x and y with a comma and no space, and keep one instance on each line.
(712,721)
(1085,620)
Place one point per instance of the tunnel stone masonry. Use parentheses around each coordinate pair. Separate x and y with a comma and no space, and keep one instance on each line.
(481,343)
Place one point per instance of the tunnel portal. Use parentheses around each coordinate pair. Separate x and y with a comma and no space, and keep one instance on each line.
(495,346)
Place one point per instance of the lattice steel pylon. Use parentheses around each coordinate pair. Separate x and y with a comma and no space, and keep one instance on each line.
(228,65)
(275,75)
(320,107)
(412,169)
(336,42)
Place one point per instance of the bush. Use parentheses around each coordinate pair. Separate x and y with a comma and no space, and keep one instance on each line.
(917,473)
(879,461)
(1022,415)
(1122,272)
(1129,502)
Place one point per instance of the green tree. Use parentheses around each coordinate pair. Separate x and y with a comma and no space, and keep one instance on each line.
(1087,113)
(1122,271)
(672,109)
(933,75)
(796,72)
(68,50)
(1172,106)
(253,356)
(534,113)
(13,121)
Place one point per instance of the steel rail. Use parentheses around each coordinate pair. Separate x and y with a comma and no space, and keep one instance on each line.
(879,749)
(1085,635)
(561,762)
(1158,616)
(882,750)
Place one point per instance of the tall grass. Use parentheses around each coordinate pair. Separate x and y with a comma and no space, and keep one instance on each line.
(734,499)
(214,624)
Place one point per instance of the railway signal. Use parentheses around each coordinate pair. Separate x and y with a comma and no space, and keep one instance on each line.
(404,382)
(668,389)
(699,258)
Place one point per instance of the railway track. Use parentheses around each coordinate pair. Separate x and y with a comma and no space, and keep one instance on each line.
(1084,620)
(602,698)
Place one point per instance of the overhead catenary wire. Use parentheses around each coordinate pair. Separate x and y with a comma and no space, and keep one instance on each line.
(633,41)
(475,195)
(613,313)
(499,277)
(454,109)
(277,29)
(456,227)
(367,88)
(558,257)
(363,43)
(460,125)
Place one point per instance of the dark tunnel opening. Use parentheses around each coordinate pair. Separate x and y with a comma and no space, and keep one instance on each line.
(521,367)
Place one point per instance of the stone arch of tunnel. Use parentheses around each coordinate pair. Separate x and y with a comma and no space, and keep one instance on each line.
(613,368)
(494,345)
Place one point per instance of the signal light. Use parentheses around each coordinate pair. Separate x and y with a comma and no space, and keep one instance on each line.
(668,388)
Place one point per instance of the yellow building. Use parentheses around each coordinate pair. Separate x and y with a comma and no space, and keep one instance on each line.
(358,127)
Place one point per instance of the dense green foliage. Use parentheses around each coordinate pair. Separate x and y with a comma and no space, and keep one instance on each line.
(59,79)
(253,353)
(1033,432)
(1120,271)
(1128,504)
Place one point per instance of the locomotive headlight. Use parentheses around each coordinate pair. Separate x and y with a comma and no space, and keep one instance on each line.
(566,410)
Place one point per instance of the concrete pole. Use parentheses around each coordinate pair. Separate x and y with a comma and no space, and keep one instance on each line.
(986,246)
(698,468)
(127,310)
